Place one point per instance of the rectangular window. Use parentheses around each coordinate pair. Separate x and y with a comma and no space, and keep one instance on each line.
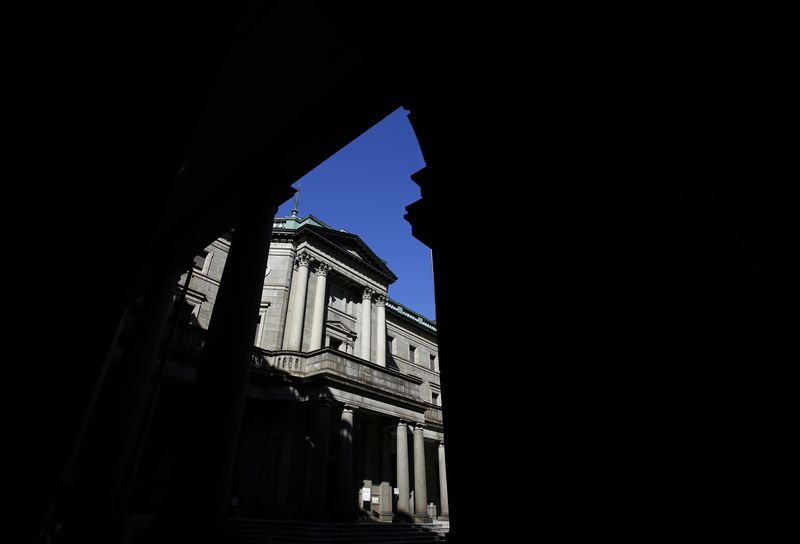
(259,324)
(433,362)
(412,353)
(336,343)
(390,344)
(435,399)
(200,261)
(188,313)
(338,299)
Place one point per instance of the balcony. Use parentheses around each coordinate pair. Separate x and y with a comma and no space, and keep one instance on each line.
(329,363)
(339,366)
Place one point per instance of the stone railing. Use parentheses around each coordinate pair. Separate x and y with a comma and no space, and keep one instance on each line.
(354,369)
(335,363)
(291,364)
(433,415)
(324,361)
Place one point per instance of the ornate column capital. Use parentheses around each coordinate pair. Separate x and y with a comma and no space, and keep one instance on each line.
(302,259)
(419,426)
(323,268)
(380,299)
(367,293)
(404,422)
(349,408)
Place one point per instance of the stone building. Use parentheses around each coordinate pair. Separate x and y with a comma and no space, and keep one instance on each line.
(343,411)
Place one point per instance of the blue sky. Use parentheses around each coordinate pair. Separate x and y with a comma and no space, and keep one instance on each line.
(364,189)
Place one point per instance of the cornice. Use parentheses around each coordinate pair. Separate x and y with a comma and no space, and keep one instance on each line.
(313,232)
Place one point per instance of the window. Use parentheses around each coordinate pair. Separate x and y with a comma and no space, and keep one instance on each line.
(336,343)
(260,324)
(200,261)
(390,344)
(338,300)
(435,398)
(188,313)
(412,353)
(433,362)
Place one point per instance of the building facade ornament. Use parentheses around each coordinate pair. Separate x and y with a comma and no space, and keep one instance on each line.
(323,268)
(303,259)
(380,299)
(367,293)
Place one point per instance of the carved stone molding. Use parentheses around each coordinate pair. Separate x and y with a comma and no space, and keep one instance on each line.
(302,259)
(323,269)
(380,299)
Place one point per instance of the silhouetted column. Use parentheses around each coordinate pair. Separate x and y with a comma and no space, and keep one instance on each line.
(138,365)
(444,507)
(366,324)
(105,462)
(317,324)
(293,430)
(386,454)
(420,479)
(317,477)
(380,332)
(299,302)
(224,367)
(403,499)
(372,448)
(346,489)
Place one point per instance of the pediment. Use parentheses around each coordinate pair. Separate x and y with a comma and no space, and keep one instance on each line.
(352,245)
(341,327)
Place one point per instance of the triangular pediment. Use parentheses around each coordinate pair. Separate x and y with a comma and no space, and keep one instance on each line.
(352,245)
(341,327)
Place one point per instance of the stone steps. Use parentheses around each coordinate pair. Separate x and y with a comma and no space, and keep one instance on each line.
(258,531)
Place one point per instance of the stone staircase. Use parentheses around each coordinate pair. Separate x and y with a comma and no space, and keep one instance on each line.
(260,531)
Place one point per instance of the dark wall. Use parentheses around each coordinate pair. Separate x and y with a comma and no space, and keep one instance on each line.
(636,170)
(633,182)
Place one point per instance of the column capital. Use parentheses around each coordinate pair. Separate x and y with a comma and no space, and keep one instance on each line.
(404,422)
(419,427)
(323,268)
(349,408)
(367,293)
(303,259)
(441,443)
(380,299)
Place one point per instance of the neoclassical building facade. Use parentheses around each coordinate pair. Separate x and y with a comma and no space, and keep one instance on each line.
(343,411)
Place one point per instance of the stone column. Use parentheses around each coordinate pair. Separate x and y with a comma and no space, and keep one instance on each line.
(366,324)
(372,448)
(224,368)
(293,431)
(346,489)
(316,489)
(403,499)
(386,454)
(132,382)
(380,336)
(139,375)
(299,302)
(444,507)
(317,321)
(420,479)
